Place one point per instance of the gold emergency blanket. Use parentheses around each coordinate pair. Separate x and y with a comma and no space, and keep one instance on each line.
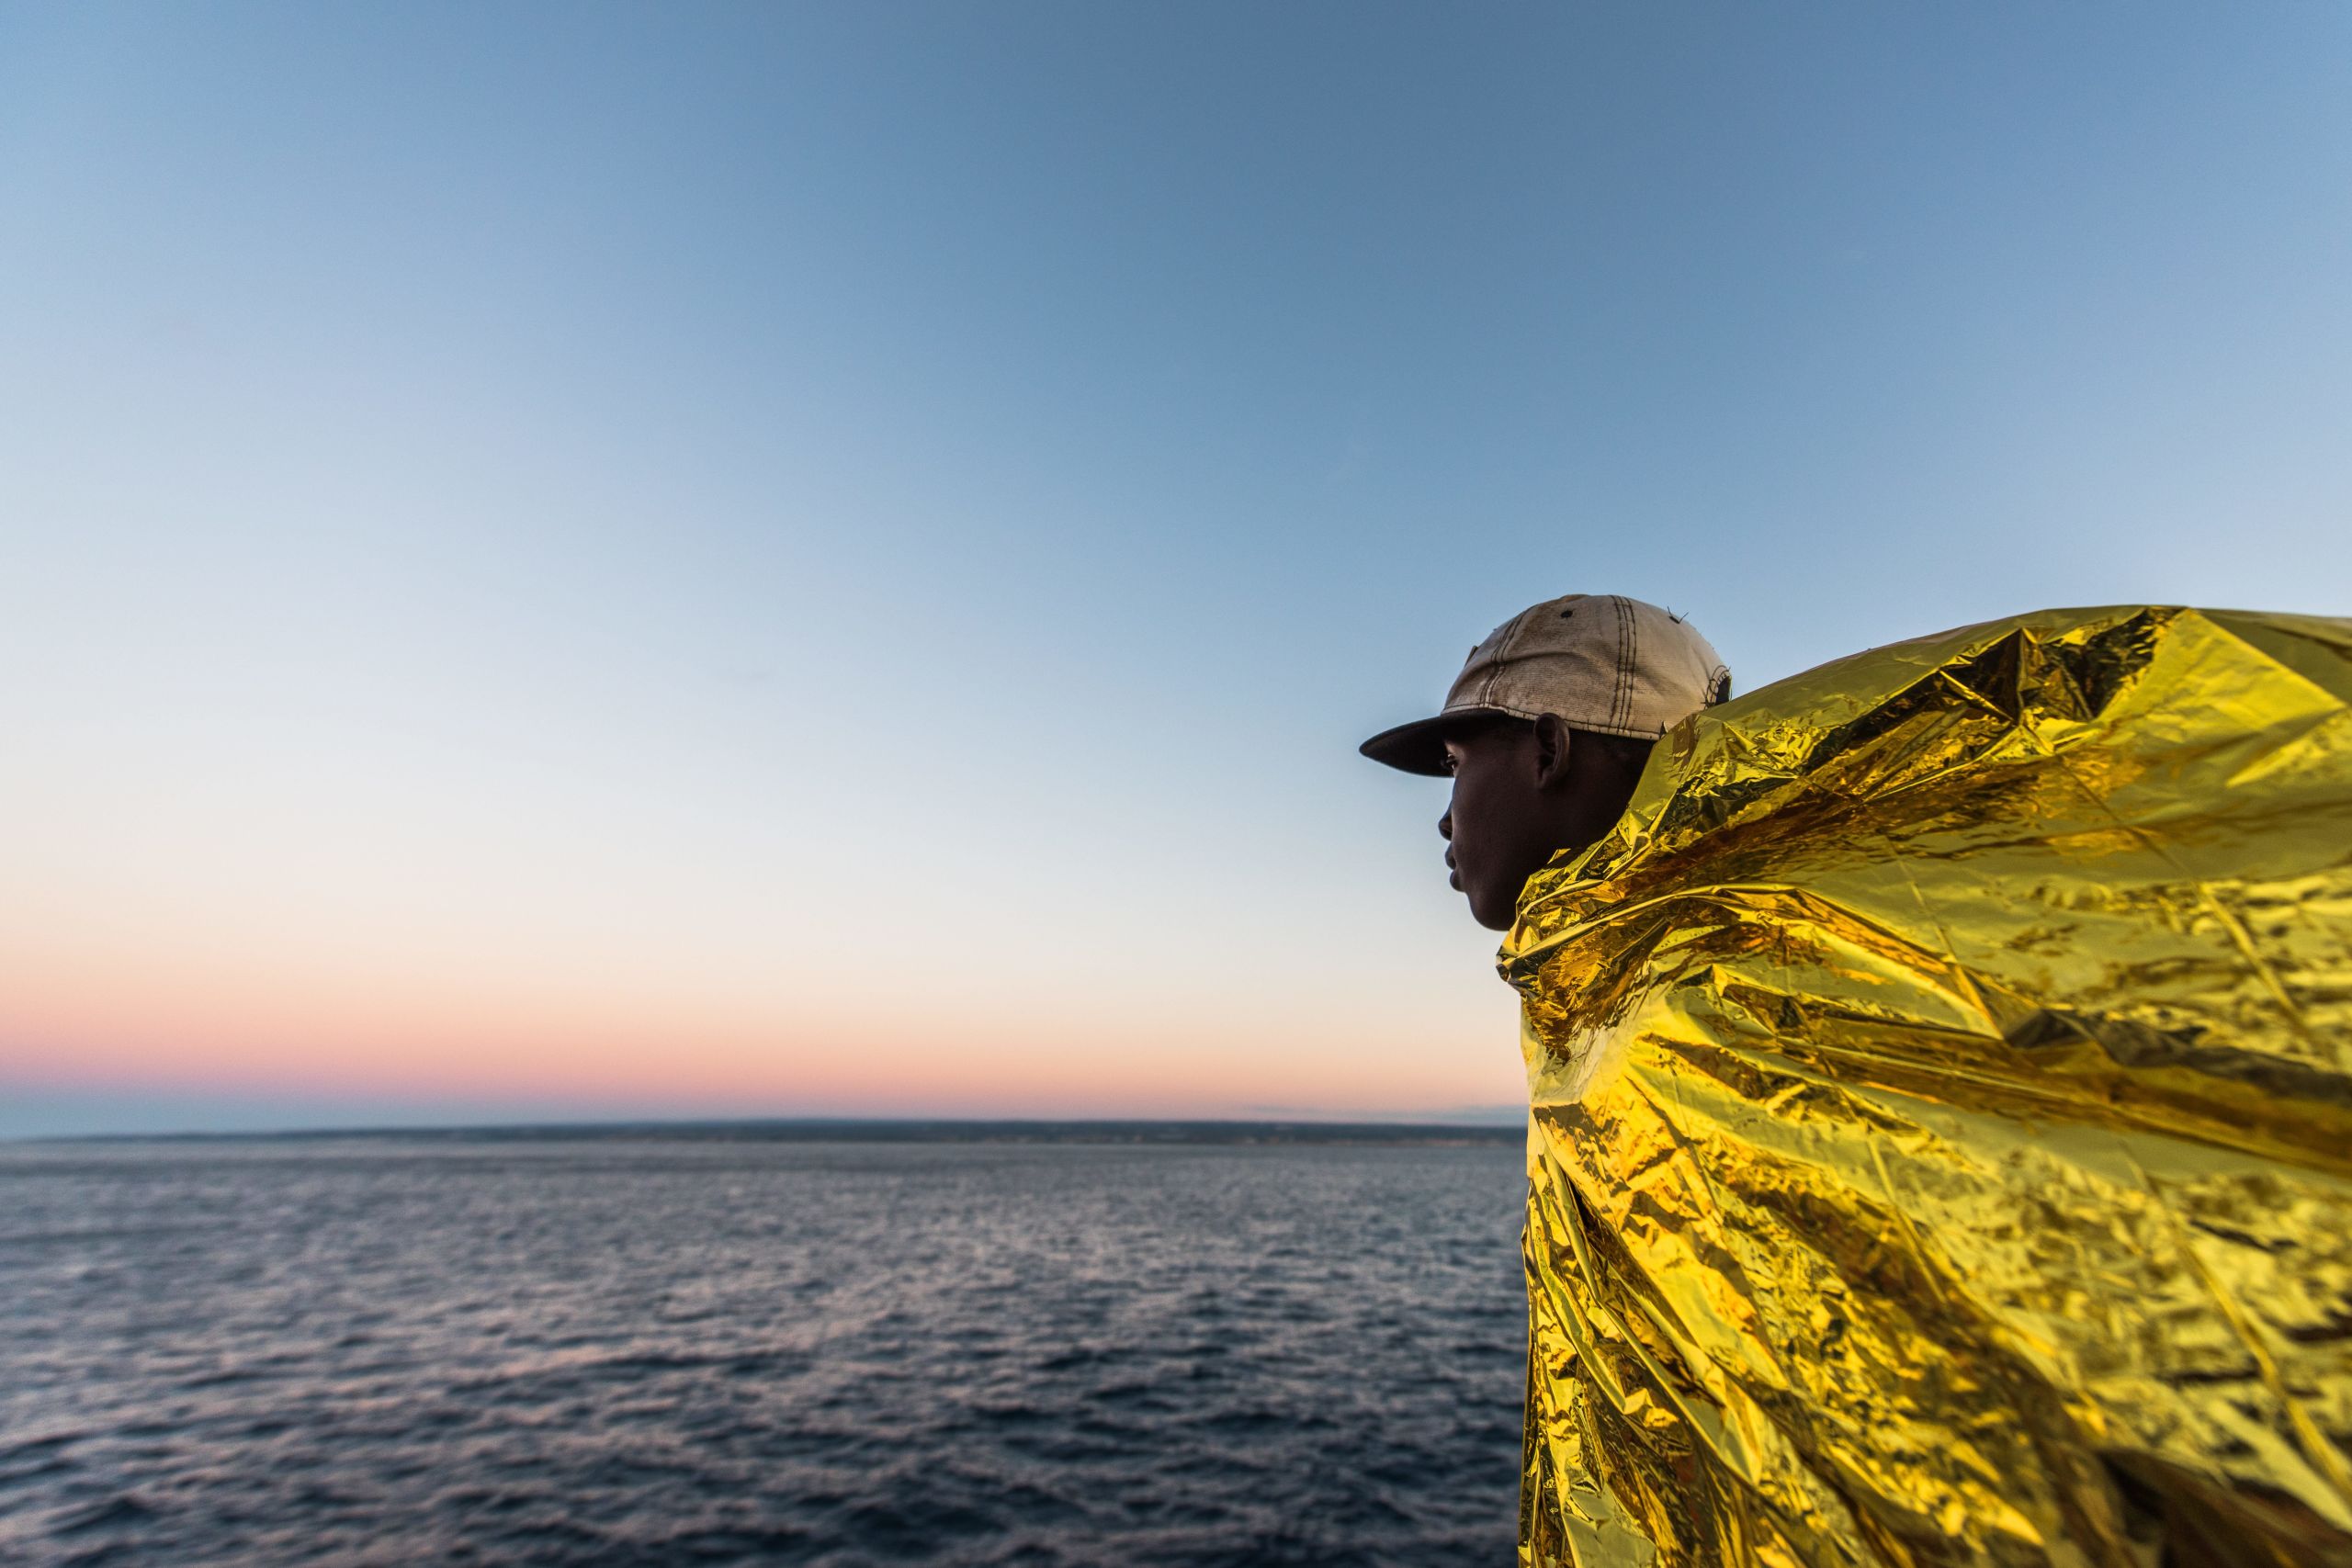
(1941,1134)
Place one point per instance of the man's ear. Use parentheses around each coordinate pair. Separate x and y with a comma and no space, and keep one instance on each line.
(1551,751)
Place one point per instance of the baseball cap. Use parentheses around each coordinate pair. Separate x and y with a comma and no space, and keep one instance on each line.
(1600,661)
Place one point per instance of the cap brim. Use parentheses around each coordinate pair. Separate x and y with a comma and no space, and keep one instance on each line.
(1415,748)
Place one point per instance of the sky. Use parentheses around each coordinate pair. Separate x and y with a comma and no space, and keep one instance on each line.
(583,560)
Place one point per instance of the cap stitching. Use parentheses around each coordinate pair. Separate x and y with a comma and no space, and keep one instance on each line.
(1511,628)
(1633,659)
(1620,699)
(1617,686)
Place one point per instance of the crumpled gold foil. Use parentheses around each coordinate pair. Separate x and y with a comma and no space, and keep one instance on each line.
(1941,1147)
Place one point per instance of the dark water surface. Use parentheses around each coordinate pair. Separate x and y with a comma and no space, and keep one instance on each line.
(674,1352)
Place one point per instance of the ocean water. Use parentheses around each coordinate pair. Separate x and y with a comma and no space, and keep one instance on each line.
(618,1352)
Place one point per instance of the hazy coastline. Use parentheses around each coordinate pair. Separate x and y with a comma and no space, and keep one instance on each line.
(1420,1134)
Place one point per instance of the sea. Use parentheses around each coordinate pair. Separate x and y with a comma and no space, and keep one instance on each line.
(652,1350)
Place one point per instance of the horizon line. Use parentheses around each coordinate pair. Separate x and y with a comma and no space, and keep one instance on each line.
(1306,1128)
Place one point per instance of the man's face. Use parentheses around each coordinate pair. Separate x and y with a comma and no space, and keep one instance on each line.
(1501,826)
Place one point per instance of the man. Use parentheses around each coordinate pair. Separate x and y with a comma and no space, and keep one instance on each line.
(1546,729)
(1941,1081)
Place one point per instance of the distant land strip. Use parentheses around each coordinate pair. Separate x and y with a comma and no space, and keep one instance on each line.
(818,1130)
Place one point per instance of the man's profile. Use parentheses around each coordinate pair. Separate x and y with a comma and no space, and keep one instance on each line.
(1546,730)
(1939,1073)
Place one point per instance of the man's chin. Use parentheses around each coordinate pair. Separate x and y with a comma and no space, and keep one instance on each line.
(1493,919)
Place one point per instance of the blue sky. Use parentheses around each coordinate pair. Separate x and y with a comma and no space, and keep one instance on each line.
(848,548)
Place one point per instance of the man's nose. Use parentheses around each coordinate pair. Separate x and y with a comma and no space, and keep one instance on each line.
(1445,826)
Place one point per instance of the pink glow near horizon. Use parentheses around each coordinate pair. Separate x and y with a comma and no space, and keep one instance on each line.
(122,1020)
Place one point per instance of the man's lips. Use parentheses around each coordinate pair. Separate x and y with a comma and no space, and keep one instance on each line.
(1453,872)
